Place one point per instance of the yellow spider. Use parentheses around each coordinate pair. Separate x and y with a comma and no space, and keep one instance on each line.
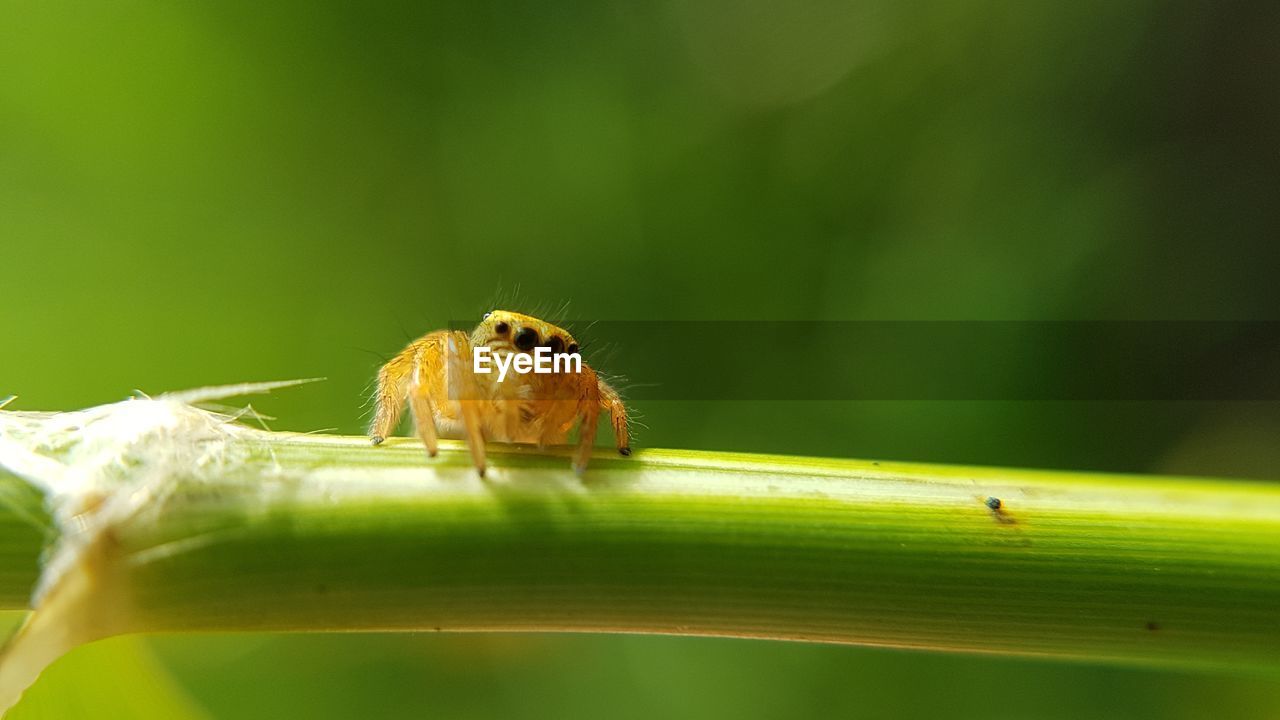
(436,375)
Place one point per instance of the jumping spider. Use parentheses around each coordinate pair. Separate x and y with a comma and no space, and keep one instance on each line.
(435,376)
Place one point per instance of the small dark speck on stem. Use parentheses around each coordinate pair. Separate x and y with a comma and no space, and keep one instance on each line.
(997,508)
(1152,625)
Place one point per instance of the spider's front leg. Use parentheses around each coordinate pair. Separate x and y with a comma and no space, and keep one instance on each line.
(463,388)
(424,413)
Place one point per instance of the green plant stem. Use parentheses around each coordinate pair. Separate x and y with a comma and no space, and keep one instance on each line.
(315,533)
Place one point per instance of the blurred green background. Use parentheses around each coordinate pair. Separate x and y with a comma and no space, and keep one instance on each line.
(196,193)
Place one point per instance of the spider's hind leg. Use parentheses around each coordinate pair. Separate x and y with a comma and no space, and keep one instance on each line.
(586,438)
(393,390)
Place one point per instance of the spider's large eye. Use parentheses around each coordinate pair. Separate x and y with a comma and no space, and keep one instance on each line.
(501,328)
(573,348)
(557,345)
(526,339)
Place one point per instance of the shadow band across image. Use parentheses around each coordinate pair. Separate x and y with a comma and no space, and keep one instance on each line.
(1173,361)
